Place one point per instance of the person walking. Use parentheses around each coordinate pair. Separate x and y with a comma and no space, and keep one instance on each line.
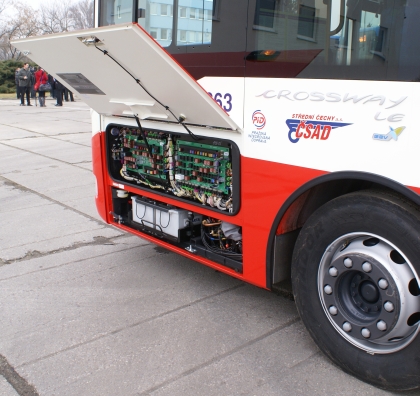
(41,77)
(17,82)
(24,77)
(68,93)
(59,90)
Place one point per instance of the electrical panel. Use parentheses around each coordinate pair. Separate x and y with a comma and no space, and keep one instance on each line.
(204,166)
(188,167)
(138,159)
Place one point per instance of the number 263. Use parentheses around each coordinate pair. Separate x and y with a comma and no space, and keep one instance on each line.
(224,101)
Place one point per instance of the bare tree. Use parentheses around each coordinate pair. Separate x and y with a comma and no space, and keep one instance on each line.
(56,17)
(83,14)
(4,4)
(53,17)
(21,22)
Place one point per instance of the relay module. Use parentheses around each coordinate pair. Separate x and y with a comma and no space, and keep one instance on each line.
(192,168)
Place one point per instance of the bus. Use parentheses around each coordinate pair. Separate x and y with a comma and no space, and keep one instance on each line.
(271,140)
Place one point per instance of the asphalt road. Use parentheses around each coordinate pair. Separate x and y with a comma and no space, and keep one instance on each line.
(89,310)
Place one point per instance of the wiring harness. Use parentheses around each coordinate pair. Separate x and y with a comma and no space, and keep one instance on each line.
(215,240)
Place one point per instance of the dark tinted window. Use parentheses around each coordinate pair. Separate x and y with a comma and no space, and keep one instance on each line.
(306,21)
(264,13)
(207,37)
(351,39)
(210,37)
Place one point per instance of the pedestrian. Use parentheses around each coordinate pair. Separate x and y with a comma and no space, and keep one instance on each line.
(33,93)
(24,77)
(68,93)
(51,81)
(17,82)
(59,90)
(41,78)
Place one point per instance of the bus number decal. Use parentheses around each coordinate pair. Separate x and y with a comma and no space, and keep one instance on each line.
(224,101)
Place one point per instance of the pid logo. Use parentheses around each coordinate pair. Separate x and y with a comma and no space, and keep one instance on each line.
(258,119)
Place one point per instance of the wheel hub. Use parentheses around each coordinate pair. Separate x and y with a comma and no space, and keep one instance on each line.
(358,297)
(363,286)
(369,292)
(364,292)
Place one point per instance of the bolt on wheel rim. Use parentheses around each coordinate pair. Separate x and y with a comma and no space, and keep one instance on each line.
(370,293)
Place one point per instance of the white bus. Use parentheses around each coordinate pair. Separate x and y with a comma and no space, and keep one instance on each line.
(272,140)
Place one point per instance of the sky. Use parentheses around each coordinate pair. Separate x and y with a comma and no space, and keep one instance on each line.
(37,3)
(33,3)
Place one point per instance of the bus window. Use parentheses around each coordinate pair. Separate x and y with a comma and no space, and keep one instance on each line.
(352,39)
(211,37)
(194,22)
(207,37)
(157,19)
(113,12)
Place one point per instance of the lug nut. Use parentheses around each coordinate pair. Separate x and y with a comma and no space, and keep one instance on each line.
(381,325)
(333,271)
(389,306)
(348,262)
(333,310)
(367,267)
(365,332)
(328,289)
(347,326)
(383,284)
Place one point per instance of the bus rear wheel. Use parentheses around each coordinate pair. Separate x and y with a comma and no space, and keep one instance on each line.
(355,276)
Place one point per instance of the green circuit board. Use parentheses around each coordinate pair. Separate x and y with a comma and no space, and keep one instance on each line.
(203,166)
(140,161)
(187,167)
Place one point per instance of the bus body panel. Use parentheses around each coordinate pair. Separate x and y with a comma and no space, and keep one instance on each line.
(356,126)
(100,178)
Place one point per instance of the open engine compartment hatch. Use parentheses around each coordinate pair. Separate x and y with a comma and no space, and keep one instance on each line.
(102,65)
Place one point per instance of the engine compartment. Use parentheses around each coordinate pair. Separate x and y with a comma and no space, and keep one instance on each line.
(200,171)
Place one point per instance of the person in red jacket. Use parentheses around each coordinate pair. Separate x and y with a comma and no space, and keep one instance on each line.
(41,77)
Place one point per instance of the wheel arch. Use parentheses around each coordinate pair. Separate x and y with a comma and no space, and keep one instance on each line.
(309,197)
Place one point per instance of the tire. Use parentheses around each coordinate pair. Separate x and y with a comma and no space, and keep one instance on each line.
(355,276)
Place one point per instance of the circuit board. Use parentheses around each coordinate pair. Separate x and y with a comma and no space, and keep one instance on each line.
(181,166)
(139,160)
(204,166)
